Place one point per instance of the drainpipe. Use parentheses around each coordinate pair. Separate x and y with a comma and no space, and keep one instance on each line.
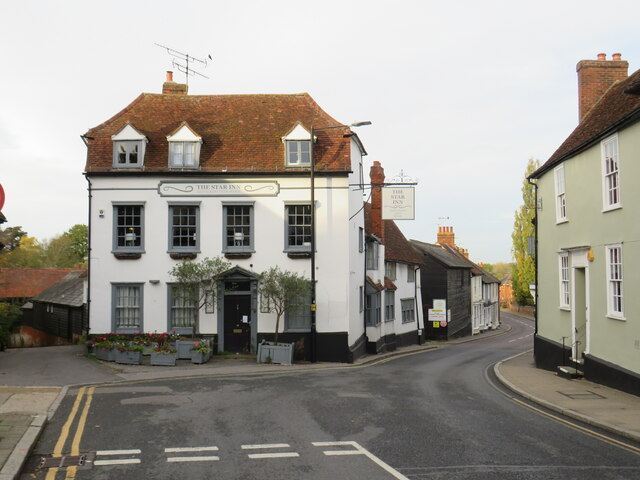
(415,299)
(89,259)
(535,253)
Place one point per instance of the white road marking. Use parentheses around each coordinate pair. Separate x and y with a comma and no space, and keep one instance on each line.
(190,449)
(358,451)
(519,338)
(265,445)
(257,456)
(123,461)
(193,459)
(119,452)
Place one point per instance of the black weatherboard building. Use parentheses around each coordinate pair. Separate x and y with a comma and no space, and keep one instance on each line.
(445,276)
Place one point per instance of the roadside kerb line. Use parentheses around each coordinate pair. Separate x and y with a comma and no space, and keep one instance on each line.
(64,433)
(359,450)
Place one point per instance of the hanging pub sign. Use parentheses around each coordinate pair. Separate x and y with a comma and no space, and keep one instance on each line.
(398,203)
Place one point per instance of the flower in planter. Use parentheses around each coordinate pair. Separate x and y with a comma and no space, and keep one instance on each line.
(164,349)
(202,346)
(143,339)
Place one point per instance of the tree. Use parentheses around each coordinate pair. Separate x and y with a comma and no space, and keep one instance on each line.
(9,315)
(524,268)
(197,280)
(79,239)
(27,255)
(283,290)
(11,237)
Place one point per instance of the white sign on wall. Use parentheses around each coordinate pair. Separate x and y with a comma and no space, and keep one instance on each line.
(218,189)
(398,203)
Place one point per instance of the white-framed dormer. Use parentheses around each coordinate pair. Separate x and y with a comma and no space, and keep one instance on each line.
(128,147)
(297,147)
(184,148)
(561,199)
(611,198)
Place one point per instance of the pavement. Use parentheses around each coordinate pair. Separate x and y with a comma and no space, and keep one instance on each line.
(25,408)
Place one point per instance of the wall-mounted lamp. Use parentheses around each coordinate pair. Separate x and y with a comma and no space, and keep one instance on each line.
(101,213)
(590,255)
(154,282)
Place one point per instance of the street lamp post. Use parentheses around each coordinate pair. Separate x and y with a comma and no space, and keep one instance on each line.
(312,169)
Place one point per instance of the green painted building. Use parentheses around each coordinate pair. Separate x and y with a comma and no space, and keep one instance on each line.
(588,234)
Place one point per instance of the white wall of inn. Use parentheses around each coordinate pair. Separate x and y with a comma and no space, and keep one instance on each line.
(338,273)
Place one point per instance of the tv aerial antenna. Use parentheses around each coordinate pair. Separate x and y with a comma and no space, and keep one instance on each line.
(185,58)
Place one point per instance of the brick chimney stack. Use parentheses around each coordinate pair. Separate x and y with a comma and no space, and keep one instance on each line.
(169,87)
(377,181)
(446,236)
(595,77)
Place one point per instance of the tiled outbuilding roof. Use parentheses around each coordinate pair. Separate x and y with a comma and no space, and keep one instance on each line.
(29,282)
(68,291)
(617,108)
(240,133)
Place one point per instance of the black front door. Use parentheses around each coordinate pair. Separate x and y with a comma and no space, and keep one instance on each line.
(237,326)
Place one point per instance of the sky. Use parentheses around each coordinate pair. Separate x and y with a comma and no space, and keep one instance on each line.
(460,94)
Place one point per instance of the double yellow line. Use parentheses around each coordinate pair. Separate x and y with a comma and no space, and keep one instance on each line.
(66,429)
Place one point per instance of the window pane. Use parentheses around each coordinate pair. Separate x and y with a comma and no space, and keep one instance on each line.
(299,225)
(129,226)
(184,226)
(238,232)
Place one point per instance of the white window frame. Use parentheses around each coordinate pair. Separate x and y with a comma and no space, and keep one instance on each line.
(294,154)
(411,274)
(615,281)
(127,306)
(299,228)
(129,139)
(389,305)
(391,270)
(561,198)
(182,139)
(408,307)
(128,219)
(372,255)
(564,281)
(611,191)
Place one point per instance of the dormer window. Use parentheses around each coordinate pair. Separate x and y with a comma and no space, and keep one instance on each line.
(184,148)
(128,148)
(297,147)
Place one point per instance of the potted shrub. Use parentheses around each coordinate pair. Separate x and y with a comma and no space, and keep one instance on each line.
(129,353)
(201,352)
(163,354)
(284,291)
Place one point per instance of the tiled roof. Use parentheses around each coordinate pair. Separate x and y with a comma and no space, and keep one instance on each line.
(389,285)
(475,268)
(240,133)
(440,254)
(615,109)
(396,246)
(29,282)
(68,291)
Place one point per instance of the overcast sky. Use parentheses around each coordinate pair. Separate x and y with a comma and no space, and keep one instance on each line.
(461,94)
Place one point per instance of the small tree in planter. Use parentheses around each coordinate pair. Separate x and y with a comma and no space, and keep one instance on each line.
(282,289)
(198,280)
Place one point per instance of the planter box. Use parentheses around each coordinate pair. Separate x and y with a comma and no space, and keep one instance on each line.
(184,348)
(281,353)
(148,349)
(200,357)
(164,359)
(105,354)
(129,358)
